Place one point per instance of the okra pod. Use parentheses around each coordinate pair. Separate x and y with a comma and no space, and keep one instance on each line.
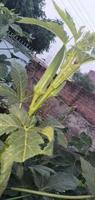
(50,72)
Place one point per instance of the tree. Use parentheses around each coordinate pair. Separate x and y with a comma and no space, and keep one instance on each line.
(83,80)
(32,8)
(29,8)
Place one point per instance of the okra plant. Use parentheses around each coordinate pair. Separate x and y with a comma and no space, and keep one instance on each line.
(23,138)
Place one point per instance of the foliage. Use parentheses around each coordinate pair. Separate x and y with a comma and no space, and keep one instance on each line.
(66,172)
(32,8)
(7,21)
(83,80)
(26,8)
(3,67)
(7,18)
(27,143)
(88,172)
(21,126)
(83,143)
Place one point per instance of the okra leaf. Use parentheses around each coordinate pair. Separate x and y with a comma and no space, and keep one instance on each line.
(87,42)
(88,172)
(20,116)
(51,70)
(6,162)
(7,124)
(57,29)
(62,182)
(20,79)
(48,132)
(68,20)
(8,93)
(51,121)
(26,144)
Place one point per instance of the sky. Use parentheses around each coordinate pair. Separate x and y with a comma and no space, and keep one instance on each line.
(83,13)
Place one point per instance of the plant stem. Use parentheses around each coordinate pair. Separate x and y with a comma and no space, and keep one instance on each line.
(53,195)
(20,197)
(34,108)
(20,105)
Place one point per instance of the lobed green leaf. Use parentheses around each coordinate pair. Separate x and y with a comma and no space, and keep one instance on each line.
(88,172)
(7,124)
(68,20)
(57,29)
(20,79)
(8,93)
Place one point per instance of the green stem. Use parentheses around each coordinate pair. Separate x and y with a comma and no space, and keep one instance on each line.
(34,108)
(20,197)
(35,97)
(53,195)
(20,105)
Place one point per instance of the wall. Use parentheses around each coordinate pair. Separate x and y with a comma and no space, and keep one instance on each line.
(83,101)
(91,76)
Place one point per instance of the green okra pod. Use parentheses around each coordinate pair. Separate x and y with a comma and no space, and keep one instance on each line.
(50,72)
(48,76)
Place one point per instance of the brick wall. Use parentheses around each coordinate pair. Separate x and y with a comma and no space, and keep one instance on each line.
(83,101)
(91,76)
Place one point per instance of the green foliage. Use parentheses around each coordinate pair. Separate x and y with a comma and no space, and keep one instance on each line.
(10,94)
(7,18)
(5,168)
(66,172)
(3,67)
(25,8)
(65,182)
(81,143)
(68,20)
(57,29)
(7,21)
(27,143)
(32,8)
(7,124)
(19,77)
(83,80)
(59,130)
(23,141)
(59,173)
(88,172)
(38,35)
